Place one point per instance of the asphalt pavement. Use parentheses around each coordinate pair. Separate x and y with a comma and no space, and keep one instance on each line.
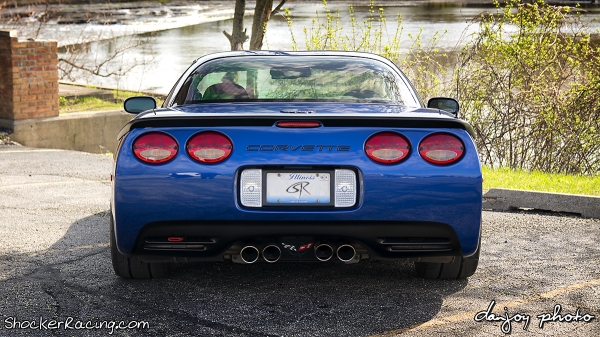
(539,269)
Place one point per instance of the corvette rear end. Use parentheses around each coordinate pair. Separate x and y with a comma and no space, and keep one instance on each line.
(256,179)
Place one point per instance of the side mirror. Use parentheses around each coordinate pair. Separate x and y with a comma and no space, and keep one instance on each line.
(447,104)
(137,104)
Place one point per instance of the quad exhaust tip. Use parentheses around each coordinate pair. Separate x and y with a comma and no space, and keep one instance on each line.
(346,253)
(323,252)
(249,254)
(271,253)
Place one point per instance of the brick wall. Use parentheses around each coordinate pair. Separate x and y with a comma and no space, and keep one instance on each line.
(6,90)
(28,78)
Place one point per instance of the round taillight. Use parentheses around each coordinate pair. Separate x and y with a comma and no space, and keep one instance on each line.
(155,148)
(441,148)
(387,148)
(209,147)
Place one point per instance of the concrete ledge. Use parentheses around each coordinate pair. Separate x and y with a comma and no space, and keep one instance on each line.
(65,87)
(94,132)
(504,199)
(74,92)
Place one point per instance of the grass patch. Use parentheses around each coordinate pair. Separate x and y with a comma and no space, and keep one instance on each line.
(539,181)
(88,103)
(84,104)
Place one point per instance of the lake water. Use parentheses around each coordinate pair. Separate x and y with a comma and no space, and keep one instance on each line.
(174,50)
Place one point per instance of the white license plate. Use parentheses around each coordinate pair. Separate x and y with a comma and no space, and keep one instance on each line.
(298,188)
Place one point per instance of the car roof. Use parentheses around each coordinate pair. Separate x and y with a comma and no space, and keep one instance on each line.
(337,53)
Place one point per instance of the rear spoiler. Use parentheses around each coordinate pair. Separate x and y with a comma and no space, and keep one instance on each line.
(270,120)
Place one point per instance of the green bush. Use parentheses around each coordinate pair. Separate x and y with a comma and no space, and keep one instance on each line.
(528,82)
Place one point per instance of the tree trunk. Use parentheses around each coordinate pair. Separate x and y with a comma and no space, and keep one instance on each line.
(238,34)
(262,14)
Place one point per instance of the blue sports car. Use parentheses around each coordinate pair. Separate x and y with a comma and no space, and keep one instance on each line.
(260,156)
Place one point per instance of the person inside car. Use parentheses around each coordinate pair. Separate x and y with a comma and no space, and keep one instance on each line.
(227,89)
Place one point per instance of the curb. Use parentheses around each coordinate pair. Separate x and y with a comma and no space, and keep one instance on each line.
(64,85)
(503,199)
(73,92)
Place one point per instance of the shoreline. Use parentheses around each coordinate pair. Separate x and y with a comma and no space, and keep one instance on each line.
(76,22)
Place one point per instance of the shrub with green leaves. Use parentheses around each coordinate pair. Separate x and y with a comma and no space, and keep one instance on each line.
(529,84)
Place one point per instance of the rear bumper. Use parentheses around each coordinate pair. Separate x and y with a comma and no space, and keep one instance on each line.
(218,240)
(183,198)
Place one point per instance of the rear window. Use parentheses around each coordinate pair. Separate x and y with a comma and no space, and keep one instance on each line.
(295,78)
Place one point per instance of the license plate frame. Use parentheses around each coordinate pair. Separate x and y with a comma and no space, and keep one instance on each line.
(270,196)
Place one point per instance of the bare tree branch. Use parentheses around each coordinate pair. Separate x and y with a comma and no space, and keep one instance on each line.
(278,8)
(95,70)
(78,60)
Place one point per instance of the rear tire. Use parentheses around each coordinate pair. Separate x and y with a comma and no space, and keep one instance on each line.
(132,267)
(460,268)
